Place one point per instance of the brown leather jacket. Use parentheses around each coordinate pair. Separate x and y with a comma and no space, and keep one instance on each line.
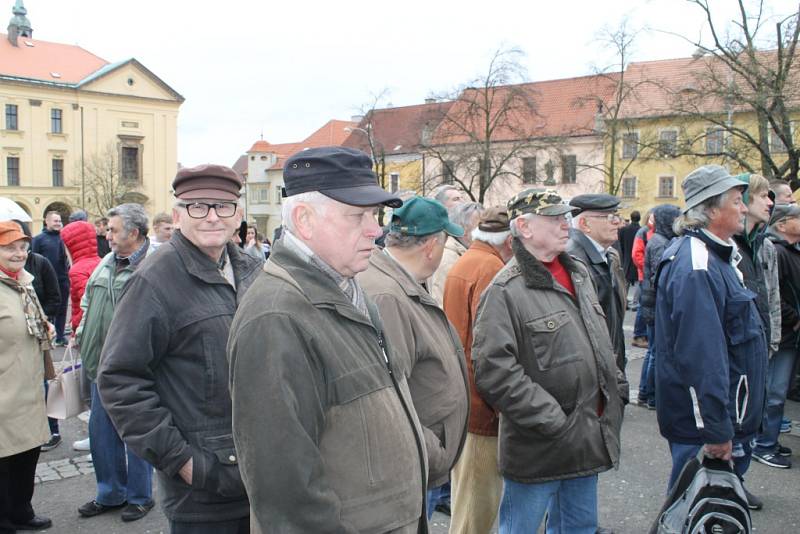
(471,274)
(543,359)
(428,352)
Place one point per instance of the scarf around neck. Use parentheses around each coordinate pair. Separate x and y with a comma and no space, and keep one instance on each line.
(34,315)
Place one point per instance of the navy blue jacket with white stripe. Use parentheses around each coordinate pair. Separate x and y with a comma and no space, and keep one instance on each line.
(710,345)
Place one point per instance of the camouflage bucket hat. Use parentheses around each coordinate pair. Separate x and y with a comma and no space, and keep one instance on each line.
(545,202)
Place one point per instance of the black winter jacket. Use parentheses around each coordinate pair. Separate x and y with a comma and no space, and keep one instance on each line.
(45,283)
(789,275)
(163,376)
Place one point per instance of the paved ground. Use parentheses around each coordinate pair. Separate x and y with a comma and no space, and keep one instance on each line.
(629,496)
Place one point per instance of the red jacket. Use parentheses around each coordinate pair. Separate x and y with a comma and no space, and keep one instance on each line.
(80,239)
(639,244)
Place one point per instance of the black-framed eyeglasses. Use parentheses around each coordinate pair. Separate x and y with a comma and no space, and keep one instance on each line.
(199,210)
(613,218)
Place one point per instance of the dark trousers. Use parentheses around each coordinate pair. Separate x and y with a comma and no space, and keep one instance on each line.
(59,320)
(52,423)
(16,488)
(234,526)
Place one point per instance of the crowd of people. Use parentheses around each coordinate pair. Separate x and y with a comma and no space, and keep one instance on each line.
(351,378)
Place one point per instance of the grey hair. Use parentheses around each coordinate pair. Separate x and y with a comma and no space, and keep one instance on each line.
(400,240)
(440,193)
(492,238)
(318,202)
(696,217)
(513,223)
(133,217)
(462,214)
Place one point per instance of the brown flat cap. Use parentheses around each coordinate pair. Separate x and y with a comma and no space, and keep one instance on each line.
(207,181)
(494,219)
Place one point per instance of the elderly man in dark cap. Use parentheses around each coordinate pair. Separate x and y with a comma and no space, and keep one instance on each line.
(163,374)
(543,360)
(425,345)
(595,229)
(324,424)
(710,343)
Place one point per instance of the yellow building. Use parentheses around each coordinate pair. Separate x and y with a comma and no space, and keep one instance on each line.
(76,129)
(660,143)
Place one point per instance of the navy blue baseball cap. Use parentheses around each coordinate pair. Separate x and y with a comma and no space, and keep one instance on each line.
(343,174)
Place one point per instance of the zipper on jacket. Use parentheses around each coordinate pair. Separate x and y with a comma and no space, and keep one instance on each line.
(420,452)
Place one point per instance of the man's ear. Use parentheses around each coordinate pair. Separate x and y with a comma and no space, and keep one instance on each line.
(303,219)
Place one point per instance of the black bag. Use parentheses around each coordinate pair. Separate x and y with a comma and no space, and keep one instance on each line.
(707,498)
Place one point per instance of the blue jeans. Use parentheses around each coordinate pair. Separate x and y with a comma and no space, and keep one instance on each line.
(647,380)
(779,374)
(571,505)
(639,325)
(440,495)
(683,452)
(117,481)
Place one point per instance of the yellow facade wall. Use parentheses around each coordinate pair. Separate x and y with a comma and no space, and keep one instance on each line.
(90,121)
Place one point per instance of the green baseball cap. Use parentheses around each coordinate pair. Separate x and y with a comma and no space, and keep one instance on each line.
(423,216)
(539,202)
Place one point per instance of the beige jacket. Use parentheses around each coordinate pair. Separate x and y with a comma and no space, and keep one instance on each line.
(453,249)
(23,417)
(430,355)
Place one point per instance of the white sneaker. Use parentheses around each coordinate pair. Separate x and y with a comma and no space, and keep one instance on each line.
(82,445)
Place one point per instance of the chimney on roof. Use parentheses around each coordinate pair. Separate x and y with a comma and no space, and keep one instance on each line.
(430,100)
(19,26)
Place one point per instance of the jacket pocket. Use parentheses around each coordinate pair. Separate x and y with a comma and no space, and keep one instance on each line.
(549,336)
(216,476)
(741,320)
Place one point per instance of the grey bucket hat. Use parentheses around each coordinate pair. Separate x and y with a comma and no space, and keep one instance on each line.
(706,182)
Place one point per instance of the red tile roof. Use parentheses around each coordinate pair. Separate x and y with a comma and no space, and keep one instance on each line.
(70,63)
(565,107)
(397,130)
(332,133)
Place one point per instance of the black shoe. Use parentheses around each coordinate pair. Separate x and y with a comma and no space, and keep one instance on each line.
(37,522)
(55,441)
(772,459)
(784,451)
(93,508)
(60,343)
(133,512)
(443,508)
(753,502)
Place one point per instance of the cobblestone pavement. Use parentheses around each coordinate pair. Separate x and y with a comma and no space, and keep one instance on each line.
(629,497)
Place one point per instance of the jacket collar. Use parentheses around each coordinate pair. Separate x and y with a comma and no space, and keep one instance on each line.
(319,288)
(198,264)
(588,246)
(724,252)
(534,273)
(389,266)
(485,248)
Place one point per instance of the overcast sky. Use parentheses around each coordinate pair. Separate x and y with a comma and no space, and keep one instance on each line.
(287,67)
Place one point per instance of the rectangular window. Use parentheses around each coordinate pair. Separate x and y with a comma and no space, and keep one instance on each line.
(394,179)
(529,170)
(55,121)
(776,146)
(569,169)
(630,145)
(12,170)
(129,166)
(668,143)
(715,141)
(666,186)
(629,187)
(448,173)
(11,117)
(278,194)
(58,173)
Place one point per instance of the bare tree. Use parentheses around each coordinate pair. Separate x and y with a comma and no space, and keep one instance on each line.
(104,184)
(492,122)
(746,86)
(612,92)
